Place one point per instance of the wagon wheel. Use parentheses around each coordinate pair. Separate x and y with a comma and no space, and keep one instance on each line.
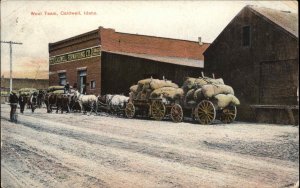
(130,110)
(176,113)
(228,114)
(158,110)
(205,112)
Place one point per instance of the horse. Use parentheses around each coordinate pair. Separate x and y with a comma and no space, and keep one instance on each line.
(118,103)
(63,102)
(87,100)
(74,104)
(114,103)
(50,101)
(103,102)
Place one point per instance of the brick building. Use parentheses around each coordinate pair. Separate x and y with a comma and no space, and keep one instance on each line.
(257,54)
(106,61)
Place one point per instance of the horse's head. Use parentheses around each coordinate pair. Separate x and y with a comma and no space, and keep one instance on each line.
(76,93)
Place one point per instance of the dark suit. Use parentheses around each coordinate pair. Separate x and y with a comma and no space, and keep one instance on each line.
(13,100)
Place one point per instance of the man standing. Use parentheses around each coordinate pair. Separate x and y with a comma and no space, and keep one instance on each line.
(13,100)
(22,102)
(67,88)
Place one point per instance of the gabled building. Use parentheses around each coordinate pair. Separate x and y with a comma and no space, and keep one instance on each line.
(257,54)
(106,61)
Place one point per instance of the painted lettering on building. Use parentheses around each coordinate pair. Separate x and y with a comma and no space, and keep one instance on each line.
(78,55)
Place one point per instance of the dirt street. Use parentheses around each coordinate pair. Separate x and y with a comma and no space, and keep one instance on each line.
(74,150)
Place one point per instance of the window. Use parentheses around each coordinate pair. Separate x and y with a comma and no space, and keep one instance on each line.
(62,79)
(93,84)
(246,36)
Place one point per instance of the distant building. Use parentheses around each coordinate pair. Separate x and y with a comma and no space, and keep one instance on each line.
(106,61)
(257,54)
(19,83)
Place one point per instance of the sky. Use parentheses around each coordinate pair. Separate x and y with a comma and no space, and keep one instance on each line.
(172,19)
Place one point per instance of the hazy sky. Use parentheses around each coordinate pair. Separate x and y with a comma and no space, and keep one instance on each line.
(173,19)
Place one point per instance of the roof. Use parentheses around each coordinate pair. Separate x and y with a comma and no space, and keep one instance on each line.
(150,45)
(285,19)
(160,37)
(72,38)
(173,60)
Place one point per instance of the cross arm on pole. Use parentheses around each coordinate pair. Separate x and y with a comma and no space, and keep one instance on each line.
(11,42)
(10,54)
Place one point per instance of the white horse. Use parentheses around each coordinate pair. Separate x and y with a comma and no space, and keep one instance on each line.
(117,102)
(84,100)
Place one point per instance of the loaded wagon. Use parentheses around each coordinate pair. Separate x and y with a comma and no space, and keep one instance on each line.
(148,98)
(204,99)
(155,108)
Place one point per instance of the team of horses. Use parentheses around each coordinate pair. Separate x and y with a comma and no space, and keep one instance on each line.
(73,101)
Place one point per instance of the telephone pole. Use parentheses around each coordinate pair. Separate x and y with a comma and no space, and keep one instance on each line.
(10,55)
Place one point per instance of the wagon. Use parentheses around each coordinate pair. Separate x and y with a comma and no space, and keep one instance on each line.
(205,112)
(206,109)
(152,98)
(175,102)
(157,108)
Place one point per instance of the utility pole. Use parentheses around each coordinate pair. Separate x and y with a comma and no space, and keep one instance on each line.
(10,55)
(36,75)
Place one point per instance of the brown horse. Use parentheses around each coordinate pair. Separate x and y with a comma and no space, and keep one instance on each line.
(60,101)
(63,102)
(50,101)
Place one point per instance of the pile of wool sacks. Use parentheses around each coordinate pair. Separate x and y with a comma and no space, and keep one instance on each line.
(197,89)
(154,88)
(56,89)
(27,91)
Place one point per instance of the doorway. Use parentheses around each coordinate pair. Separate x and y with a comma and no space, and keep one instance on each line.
(82,81)
(277,85)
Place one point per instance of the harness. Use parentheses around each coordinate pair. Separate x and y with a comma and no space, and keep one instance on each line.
(77,98)
(109,101)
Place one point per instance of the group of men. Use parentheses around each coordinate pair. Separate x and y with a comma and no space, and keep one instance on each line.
(13,99)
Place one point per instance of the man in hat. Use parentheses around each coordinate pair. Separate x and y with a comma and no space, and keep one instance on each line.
(67,88)
(22,101)
(13,100)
